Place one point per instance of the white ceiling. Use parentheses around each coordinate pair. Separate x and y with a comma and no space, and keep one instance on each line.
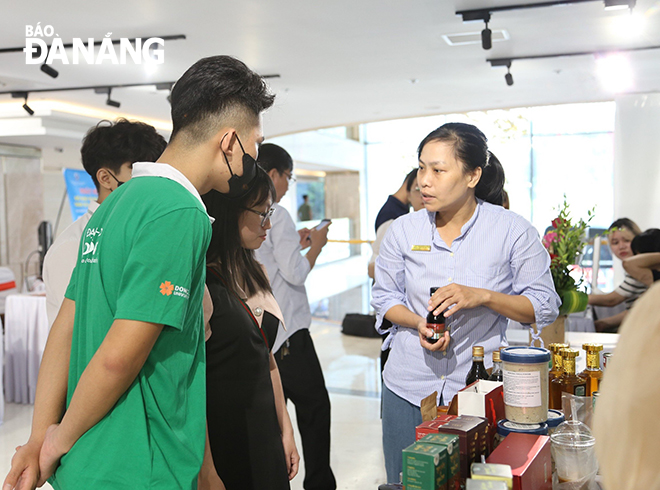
(341,62)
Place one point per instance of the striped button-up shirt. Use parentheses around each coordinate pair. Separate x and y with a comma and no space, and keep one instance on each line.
(496,250)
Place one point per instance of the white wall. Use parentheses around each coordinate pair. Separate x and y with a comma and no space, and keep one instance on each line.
(637,159)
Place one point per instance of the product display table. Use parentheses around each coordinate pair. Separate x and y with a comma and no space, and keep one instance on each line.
(26,332)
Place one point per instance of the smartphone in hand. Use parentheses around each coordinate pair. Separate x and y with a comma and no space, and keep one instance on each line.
(323,224)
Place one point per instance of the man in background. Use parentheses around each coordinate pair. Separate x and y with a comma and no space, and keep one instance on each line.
(305,210)
(108,153)
(300,369)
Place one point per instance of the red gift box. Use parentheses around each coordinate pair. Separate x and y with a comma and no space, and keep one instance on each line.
(432,426)
(529,458)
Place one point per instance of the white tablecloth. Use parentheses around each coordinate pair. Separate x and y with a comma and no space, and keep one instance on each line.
(26,332)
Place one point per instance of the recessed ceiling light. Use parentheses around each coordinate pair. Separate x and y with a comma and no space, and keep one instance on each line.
(464,38)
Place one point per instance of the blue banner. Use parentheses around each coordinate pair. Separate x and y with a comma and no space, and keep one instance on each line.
(81,191)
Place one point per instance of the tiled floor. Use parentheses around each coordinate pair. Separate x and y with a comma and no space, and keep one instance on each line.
(352,376)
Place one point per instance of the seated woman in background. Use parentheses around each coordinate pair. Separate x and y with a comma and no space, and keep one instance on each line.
(250,433)
(645,266)
(621,234)
(487,263)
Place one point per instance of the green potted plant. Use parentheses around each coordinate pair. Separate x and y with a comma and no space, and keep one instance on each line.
(564,242)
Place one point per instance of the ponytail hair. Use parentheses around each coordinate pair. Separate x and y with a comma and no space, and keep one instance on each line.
(471,149)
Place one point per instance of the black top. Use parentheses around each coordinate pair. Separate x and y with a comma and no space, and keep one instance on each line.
(392,209)
(244,432)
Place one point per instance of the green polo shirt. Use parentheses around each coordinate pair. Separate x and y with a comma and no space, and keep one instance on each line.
(142,257)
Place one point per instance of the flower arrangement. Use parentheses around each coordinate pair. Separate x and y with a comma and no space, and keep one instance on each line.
(564,242)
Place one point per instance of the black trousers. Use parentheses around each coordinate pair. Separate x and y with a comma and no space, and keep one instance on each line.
(303,383)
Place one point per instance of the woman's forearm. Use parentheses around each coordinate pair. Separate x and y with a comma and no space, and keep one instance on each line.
(280,402)
(516,308)
(400,315)
(609,299)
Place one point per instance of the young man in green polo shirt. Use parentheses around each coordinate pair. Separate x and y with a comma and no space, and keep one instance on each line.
(120,399)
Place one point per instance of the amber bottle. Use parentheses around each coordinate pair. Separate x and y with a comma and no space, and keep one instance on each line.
(593,374)
(568,382)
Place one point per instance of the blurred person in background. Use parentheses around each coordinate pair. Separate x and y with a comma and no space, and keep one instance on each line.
(620,236)
(645,265)
(108,153)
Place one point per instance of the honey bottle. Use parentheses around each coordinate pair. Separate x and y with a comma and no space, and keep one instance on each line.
(556,369)
(593,374)
(568,382)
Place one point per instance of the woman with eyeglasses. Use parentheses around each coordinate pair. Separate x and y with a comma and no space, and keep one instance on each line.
(250,433)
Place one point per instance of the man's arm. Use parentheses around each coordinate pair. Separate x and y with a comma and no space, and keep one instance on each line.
(640,266)
(50,399)
(610,323)
(108,375)
(319,238)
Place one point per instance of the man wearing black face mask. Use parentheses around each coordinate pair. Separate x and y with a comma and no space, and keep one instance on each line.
(108,153)
(135,411)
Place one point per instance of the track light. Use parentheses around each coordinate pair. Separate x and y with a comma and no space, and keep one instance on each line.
(24,96)
(111,102)
(508,77)
(49,70)
(487,35)
(504,62)
(108,91)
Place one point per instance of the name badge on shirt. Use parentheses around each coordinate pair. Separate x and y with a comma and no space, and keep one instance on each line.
(421,248)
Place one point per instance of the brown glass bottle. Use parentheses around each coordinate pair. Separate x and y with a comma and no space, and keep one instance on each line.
(593,374)
(568,382)
(556,369)
(478,370)
(435,323)
(496,373)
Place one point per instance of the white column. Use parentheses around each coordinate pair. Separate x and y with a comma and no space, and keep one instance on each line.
(637,159)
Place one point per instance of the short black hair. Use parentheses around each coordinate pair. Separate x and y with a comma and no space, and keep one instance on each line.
(274,157)
(110,145)
(410,179)
(214,89)
(305,196)
(646,242)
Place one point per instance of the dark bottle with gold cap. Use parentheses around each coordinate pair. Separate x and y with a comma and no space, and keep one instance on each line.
(593,374)
(496,374)
(568,382)
(478,370)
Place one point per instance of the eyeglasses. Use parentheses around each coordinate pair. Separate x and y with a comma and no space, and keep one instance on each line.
(289,177)
(264,216)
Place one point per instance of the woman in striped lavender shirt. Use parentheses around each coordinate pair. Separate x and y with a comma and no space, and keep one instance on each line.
(487,262)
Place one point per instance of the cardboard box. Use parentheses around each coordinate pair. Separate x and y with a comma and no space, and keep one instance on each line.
(529,458)
(483,399)
(472,436)
(472,484)
(453,454)
(490,471)
(425,467)
(432,426)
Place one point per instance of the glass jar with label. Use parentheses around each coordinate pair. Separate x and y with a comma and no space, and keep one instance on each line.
(525,373)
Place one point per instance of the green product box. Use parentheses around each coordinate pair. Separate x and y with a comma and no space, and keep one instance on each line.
(425,467)
(450,441)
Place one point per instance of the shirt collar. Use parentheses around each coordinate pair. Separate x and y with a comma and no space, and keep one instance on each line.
(149,169)
(464,229)
(93,206)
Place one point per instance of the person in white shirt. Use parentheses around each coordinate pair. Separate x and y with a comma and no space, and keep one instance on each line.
(300,369)
(108,153)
